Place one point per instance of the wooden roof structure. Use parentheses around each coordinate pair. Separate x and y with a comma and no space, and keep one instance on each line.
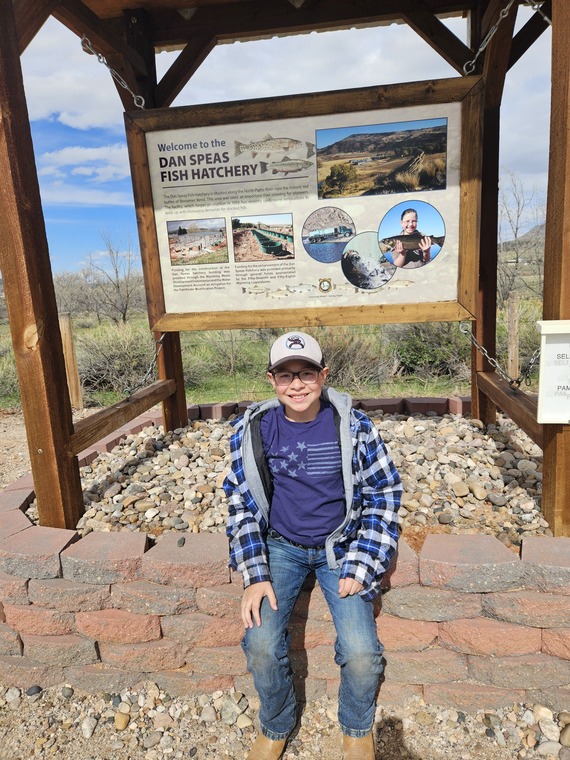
(129,33)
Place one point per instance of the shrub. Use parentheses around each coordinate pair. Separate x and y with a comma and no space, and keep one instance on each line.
(432,349)
(225,352)
(356,357)
(9,388)
(115,357)
(529,337)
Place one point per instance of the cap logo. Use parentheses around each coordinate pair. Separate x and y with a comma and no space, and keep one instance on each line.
(295,343)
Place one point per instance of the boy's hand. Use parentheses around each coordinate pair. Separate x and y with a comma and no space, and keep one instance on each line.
(348,587)
(251,602)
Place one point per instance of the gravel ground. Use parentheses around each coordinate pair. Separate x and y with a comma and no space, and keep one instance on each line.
(144,722)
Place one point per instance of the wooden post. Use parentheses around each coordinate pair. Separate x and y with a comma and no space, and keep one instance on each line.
(30,299)
(71,371)
(169,363)
(513,366)
(485,326)
(556,477)
(494,70)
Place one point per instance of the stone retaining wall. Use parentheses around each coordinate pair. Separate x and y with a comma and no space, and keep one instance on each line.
(466,623)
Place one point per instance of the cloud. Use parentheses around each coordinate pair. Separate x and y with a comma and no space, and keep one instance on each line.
(107,163)
(66,194)
(65,84)
(311,63)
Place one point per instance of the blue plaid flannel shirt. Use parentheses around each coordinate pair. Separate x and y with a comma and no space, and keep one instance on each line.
(365,545)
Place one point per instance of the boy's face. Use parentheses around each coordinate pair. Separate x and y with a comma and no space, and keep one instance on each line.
(301,400)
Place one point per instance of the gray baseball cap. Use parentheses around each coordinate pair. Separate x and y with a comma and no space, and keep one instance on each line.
(295,345)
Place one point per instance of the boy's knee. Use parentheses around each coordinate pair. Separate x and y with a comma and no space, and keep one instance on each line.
(263,646)
(362,660)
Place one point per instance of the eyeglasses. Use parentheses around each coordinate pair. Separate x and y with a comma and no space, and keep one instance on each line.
(305,376)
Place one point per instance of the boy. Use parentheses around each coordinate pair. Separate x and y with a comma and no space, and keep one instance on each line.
(311,489)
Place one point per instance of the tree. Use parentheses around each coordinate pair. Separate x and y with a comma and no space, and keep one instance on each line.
(71,293)
(339,177)
(521,238)
(114,282)
(514,204)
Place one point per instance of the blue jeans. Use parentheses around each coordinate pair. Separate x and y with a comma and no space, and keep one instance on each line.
(357,649)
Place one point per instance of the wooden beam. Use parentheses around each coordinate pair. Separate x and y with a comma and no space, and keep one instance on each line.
(439,37)
(529,34)
(91,429)
(521,407)
(169,363)
(266,17)
(557,240)
(30,16)
(485,326)
(82,21)
(183,68)
(138,32)
(169,360)
(123,68)
(30,299)
(556,479)
(496,61)
(491,15)
(442,311)
(556,302)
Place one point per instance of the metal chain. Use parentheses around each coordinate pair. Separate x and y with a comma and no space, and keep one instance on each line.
(537,6)
(465,328)
(88,48)
(469,66)
(157,349)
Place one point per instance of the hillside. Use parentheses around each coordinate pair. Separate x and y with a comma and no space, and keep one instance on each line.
(430,140)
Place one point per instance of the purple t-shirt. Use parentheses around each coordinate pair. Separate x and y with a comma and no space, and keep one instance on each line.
(305,463)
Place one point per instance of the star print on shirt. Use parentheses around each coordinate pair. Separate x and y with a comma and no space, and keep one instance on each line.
(315,460)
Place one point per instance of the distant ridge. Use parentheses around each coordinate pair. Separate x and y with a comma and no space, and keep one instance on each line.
(434,137)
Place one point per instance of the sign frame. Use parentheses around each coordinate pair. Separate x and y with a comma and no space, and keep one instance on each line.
(467,91)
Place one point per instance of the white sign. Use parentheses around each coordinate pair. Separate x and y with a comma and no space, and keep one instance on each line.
(554,380)
(309,212)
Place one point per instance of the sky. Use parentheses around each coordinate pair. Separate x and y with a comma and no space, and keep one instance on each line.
(78,130)
(327,137)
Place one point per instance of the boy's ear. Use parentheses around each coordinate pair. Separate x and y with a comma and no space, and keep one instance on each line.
(325,372)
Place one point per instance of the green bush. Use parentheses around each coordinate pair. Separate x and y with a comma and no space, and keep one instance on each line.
(431,349)
(115,357)
(224,352)
(9,388)
(356,356)
(530,312)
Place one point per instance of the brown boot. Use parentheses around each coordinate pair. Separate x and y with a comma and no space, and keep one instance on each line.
(358,749)
(266,749)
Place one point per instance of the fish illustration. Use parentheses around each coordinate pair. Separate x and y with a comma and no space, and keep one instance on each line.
(287,166)
(410,242)
(310,149)
(267,145)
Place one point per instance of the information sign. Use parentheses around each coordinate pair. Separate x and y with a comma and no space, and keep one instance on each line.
(554,379)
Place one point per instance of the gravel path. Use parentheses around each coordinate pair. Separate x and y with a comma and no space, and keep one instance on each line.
(458,477)
(144,722)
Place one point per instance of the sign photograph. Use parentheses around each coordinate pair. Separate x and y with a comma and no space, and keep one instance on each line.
(325,207)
